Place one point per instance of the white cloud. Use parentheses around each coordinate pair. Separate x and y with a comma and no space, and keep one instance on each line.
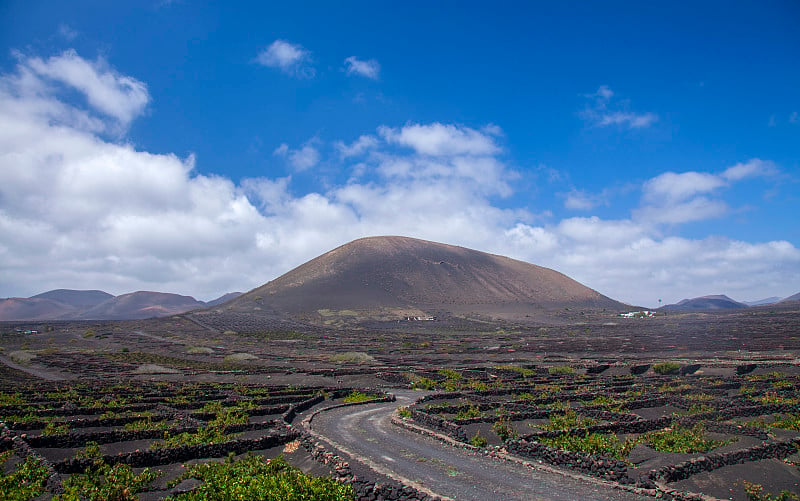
(604,111)
(365,68)
(80,211)
(301,159)
(438,139)
(580,200)
(292,59)
(752,168)
(65,31)
(356,148)
(675,198)
(116,96)
(671,186)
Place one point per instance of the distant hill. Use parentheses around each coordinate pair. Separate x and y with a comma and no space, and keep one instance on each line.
(399,275)
(795,297)
(23,308)
(76,298)
(223,299)
(763,302)
(68,304)
(142,304)
(705,303)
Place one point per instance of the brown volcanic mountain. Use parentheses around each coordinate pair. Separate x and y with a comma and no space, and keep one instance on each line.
(142,304)
(385,274)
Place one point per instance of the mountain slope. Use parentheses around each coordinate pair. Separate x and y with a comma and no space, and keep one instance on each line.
(705,303)
(398,273)
(223,298)
(78,298)
(141,304)
(23,308)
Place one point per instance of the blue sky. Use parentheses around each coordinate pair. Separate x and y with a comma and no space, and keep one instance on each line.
(649,150)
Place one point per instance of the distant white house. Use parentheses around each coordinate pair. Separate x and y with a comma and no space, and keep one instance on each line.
(420,319)
(638,314)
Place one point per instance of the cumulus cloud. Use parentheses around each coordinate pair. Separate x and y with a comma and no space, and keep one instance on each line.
(303,158)
(358,147)
(365,68)
(581,200)
(675,198)
(81,211)
(38,83)
(752,168)
(292,59)
(438,139)
(604,110)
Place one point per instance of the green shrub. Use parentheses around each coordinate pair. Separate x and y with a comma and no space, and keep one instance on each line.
(101,482)
(525,372)
(592,443)
(404,412)
(561,369)
(26,482)
(468,413)
(678,438)
(450,374)
(352,356)
(92,450)
(477,440)
(255,479)
(356,396)
(503,429)
(568,420)
(755,492)
(53,428)
(423,383)
(666,368)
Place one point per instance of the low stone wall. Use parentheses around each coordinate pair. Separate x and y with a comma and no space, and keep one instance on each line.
(155,457)
(448,428)
(710,462)
(598,466)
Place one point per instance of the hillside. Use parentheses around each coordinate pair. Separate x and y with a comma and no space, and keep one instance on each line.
(67,304)
(399,275)
(141,304)
(705,303)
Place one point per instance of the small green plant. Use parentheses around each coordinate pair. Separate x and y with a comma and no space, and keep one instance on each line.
(568,420)
(561,370)
(592,443)
(54,428)
(477,385)
(92,450)
(755,492)
(254,478)
(102,482)
(11,398)
(478,440)
(468,413)
(403,411)
(356,396)
(681,439)
(450,374)
(774,398)
(423,383)
(665,368)
(26,482)
(504,430)
(525,372)
(790,422)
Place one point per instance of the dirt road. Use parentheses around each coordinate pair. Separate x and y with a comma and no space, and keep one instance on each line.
(365,433)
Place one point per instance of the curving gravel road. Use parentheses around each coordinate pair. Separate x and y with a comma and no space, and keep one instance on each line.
(365,433)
